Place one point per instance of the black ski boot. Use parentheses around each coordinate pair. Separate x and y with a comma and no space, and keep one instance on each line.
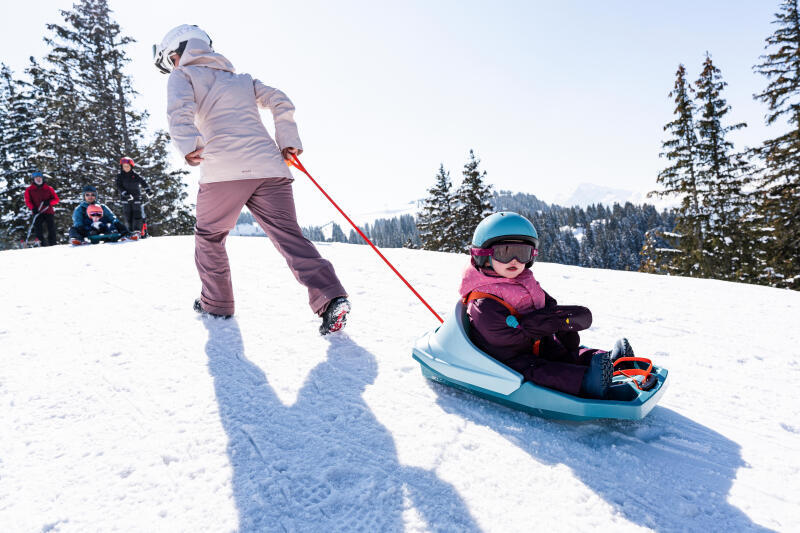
(622,348)
(335,315)
(199,308)
(597,379)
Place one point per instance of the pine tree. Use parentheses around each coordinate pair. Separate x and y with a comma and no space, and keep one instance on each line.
(17,141)
(435,221)
(167,211)
(778,210)
(657,253)
(337,235)
(472,202)
(681,178)
(723,176)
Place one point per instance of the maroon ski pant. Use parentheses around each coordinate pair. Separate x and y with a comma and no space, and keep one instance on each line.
(271,202)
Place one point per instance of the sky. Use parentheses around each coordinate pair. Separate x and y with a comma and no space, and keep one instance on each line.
(548,94)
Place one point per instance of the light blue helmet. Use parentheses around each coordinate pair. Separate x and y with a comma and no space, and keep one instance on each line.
(503,226)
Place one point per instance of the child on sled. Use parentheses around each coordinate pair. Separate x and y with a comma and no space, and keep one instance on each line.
(515,321)
(91,218)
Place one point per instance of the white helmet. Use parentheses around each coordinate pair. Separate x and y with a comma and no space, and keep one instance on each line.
(174,42)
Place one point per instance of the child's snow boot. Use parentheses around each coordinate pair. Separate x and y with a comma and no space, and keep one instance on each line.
(335,315)
(622,348)
(199,308)
(598,376)
(75,242)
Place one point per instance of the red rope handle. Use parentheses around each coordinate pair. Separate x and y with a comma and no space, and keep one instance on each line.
(296,163)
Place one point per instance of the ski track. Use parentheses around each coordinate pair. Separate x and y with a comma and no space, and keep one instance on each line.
(123,410)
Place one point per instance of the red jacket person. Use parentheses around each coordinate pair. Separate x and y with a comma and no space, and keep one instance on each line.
(40,199)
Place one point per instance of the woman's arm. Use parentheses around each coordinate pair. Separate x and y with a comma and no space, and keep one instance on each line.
(181,109)
(282,113)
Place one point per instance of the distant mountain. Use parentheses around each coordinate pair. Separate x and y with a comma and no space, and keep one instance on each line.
(587,194)
(409,208)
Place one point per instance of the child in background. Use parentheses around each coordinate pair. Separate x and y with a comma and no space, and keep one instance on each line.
(93,218)
(515,321)
(134,192)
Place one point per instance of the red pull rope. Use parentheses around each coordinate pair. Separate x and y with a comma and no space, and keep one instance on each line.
(296,163)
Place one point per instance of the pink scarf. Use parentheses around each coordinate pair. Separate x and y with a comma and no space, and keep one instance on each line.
(523,293)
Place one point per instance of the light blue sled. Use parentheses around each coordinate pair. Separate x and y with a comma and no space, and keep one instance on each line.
(448,356)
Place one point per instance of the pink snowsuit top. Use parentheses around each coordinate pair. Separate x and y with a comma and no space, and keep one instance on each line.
(523,293)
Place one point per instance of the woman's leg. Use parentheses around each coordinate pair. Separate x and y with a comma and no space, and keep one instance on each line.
(218,207)
(272,205)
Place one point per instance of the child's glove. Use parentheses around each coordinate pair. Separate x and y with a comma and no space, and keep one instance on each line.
(96,224)
(555,319)
(573,317)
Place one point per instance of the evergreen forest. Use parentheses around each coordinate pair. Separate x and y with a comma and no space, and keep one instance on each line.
(71,115)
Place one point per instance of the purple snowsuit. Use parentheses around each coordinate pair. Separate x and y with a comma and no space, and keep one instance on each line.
(560,363)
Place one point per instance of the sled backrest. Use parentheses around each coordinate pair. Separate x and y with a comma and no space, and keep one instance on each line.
(449,351)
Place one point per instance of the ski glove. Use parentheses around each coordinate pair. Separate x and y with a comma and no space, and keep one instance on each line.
(554,319)
(574,317)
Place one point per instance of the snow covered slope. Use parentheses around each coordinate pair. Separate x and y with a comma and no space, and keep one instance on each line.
(121,409)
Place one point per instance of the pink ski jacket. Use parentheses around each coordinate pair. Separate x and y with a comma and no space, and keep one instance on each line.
(209,106)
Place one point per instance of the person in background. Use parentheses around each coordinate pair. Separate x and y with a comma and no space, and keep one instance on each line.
(129,186)
(84,225)
(40,199)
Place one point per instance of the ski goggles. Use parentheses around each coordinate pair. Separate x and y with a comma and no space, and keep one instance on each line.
(504,253)
(95,215)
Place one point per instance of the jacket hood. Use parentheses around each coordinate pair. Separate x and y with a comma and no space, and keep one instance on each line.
(199,54)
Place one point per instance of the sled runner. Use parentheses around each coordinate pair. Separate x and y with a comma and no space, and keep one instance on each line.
(447,356)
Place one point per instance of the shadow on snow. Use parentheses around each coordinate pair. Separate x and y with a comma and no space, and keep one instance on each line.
(664,472)
(324,463)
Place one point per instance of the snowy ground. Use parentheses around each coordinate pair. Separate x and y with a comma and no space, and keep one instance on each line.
(122,410)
